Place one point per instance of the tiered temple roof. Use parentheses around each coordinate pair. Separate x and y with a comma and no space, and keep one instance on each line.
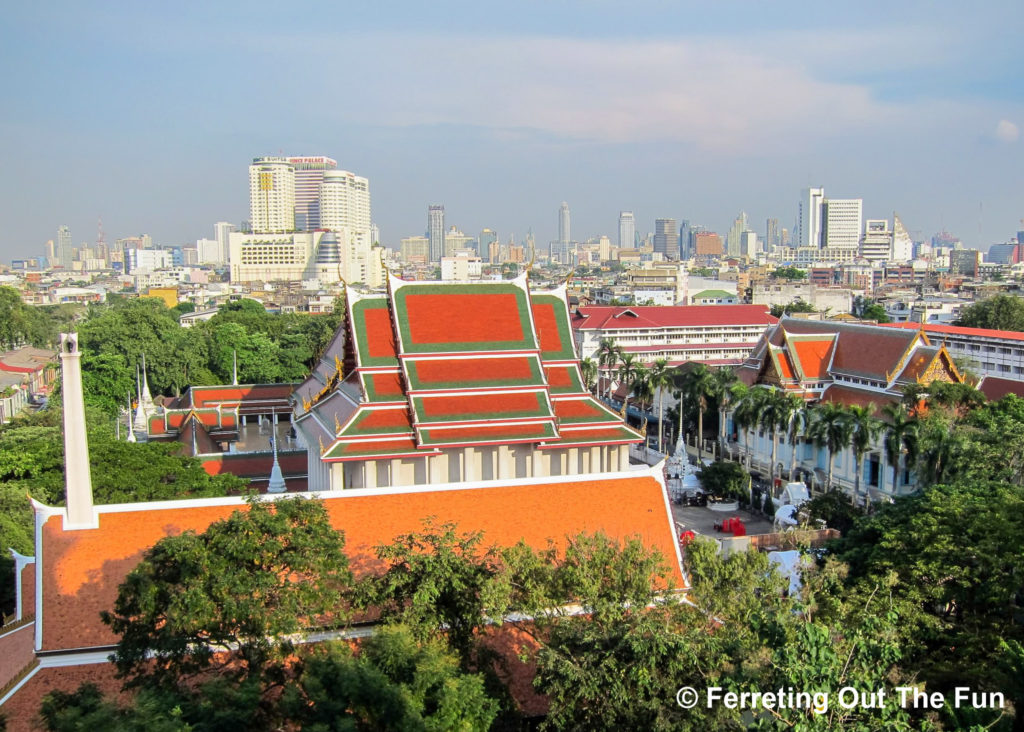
(852,364)
(432,365)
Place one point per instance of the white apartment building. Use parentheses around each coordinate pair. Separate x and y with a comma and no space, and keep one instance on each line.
(461,267)
(271,196)
(712,334)
(627,230)
(272,257)
(876,245)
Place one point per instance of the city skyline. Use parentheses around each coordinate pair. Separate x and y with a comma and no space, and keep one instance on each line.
(904,107)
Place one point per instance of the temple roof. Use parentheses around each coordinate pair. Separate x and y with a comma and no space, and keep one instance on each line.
(453,365)
(83,568)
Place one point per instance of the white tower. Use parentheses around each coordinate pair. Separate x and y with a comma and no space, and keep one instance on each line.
(271,196)
(77,473)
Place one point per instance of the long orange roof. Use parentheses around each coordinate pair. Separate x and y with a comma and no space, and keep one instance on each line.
(81,569)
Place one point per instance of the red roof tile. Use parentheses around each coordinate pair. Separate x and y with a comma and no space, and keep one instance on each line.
(487,434)
(487,406)
(957,330)
(650,316)
(472,373)
(995,388)
(82,569)
(463,318)
(849,396)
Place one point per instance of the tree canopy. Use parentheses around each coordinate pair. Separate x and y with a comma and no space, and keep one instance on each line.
(1000,312)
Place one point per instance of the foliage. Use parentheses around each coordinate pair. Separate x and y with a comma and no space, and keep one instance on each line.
(245,584)
(876,312)
(21,324)
(1001,312)
(394,683)
(434,583)
(834,508)
(797,306)
(724,479)
(957,554)
(789,273)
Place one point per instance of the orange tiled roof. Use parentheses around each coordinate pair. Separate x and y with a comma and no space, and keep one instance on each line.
(813,356)
(83,568)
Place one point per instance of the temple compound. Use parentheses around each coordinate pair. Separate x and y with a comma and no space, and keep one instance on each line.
(436,382)
(459,402)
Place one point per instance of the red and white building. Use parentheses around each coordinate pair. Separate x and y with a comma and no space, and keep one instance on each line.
(716,335)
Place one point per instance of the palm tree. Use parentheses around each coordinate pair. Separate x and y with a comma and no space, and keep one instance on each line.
(864,429)
(747,412)
(588,370)
(661,378)
(641,387)
(723,380)
(774,416)
(698,385)
(900,435)
(799,422)
(608,354)
(938,446)
(831,429)
(627,374)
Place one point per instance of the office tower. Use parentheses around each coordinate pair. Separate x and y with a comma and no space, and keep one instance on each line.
(454,240)
(435,232)
(309,174)
(772,235)
(271,195)
(65,254)
(374,234)
(808,221)
(732,239)
(842,223)
(221,230)
(627,230)
(563,224)
(666,238)
(484,241)
(685,245)
(50,251)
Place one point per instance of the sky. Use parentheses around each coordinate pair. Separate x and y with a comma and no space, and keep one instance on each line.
(147,115)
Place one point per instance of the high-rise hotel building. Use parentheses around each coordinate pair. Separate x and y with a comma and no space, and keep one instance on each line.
(271,196)
(293,202)
(309,175)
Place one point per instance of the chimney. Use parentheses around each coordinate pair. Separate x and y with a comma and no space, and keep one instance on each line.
(77,476)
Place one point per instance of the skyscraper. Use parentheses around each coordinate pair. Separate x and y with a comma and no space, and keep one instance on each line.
(484,241)
(627,230)
(841,227)
(309,174)
(221,230)
(732,239)
(808,221)
(271,195)
(685,245)
(435,232)
(64,252)
(563,224)
(344,203)
(666,238)
(772,235)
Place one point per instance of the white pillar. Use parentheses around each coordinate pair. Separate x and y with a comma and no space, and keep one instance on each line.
(370,474)
(434,470)
(396,471)
(77,474)
(469,467)
(537,463)
(596,466)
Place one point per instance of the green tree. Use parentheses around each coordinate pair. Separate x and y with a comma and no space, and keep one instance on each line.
(698,387)
(874,311)
(831,429)
(900,436)
(864,430)
(396,682)
(628,372)
(789,273)
(229,601)
(661,378)
(797,306)
(1000,312)
(435,584)
(588,370)
(608,355)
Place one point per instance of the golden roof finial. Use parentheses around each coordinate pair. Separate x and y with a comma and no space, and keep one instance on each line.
(306,404)
(337,425)
(322,448)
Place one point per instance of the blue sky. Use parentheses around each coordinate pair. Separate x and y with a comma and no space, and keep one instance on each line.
(148,115)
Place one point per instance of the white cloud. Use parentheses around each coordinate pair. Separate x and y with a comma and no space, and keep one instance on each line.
(1007,131)
(713,94)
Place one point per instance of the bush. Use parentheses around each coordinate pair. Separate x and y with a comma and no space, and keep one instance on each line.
(725,480)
